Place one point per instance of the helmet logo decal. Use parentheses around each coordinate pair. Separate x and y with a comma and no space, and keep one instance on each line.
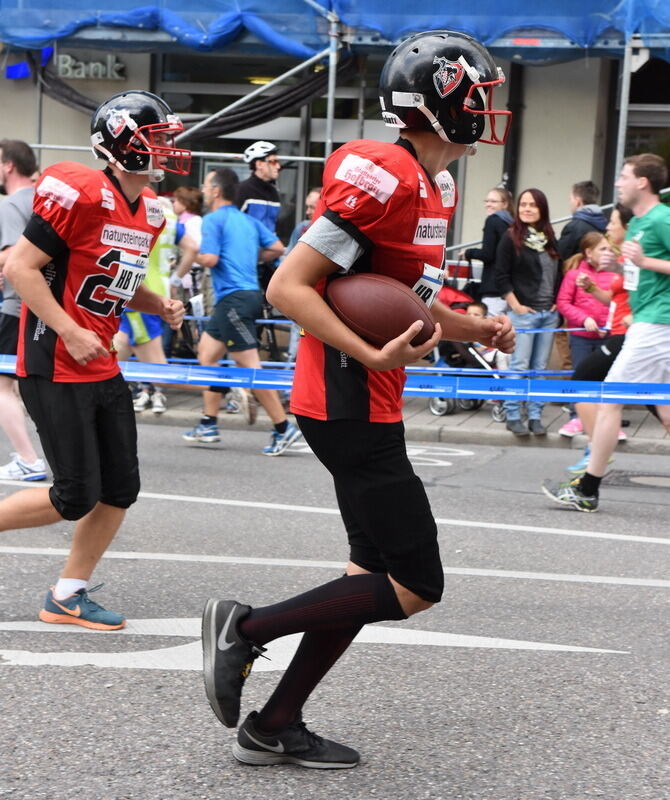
(116,122)
(447,76)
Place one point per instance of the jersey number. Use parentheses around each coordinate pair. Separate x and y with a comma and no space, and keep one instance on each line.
(124,284)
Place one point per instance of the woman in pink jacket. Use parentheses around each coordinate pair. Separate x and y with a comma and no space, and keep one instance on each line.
(579,306)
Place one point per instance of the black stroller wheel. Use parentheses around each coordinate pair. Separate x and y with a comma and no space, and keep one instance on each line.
(470,403)
(442,406)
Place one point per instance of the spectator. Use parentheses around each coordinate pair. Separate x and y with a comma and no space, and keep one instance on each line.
(492,356)
(586,217)
(17,165)
(596,366)
(258,195)
(645,355)
(528,277)
(310,206)
(499,206)
(231,245)
(581,309)
(187,205)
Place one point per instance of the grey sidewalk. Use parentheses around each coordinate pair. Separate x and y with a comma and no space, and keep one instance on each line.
(645,433)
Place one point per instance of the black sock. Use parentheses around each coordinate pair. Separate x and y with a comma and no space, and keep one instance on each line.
(589,484)
(316,654)
(281,427)
(340,604)
(205,420)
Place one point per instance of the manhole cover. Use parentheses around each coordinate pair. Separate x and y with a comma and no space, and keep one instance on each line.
(621,477)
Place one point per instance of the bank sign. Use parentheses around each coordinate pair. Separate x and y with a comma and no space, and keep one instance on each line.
(111,69)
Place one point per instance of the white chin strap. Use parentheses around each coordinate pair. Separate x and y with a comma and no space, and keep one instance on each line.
(155,175)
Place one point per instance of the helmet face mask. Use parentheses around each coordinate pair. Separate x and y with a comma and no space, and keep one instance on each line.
(443,81)
(135,131)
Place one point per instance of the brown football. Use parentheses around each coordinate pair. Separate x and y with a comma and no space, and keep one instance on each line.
(378,308)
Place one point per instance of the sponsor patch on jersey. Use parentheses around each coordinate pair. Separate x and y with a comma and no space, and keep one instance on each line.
(153,211)
(447,187)
(430,230)
(367,176)
(447,76)
(107,201)
(56,191)
(126,237)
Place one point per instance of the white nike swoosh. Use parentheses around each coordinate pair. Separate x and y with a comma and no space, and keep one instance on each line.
(277,748)
(223,643)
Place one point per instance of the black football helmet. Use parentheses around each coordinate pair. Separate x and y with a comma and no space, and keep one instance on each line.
(443,81)
(135,130)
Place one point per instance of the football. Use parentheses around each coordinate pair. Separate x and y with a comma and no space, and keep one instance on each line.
(378,308)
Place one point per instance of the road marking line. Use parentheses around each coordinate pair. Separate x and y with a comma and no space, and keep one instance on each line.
(134,555)
(455,523)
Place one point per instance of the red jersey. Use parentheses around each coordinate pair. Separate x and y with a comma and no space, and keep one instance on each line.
(619,307)
(382,197)
(100,245)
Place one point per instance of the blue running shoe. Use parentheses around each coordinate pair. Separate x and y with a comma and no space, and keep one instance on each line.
(280,441)
(79,609)
(580,467)
(203,433)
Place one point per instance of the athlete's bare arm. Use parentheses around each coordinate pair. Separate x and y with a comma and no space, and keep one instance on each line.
(292,291)
(634,251)
(271,253)
(23,270)
(492,331)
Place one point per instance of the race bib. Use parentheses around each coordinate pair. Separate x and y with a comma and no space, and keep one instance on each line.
(129,276)
(429,284)
(631,276)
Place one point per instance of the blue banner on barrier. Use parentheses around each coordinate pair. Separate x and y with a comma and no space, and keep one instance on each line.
(420,383)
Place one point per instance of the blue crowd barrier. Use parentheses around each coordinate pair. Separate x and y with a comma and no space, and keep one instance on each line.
(421,382)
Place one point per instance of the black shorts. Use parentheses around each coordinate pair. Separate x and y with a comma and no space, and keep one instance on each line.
(383,503)
(233,320)
(9,336)
(596,365)
(89,438)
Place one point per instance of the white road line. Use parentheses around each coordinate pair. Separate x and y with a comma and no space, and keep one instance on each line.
(338,565)
(455,523)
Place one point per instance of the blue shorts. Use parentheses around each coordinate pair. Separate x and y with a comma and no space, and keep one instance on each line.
(141,328)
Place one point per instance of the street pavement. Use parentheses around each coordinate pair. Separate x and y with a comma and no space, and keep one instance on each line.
(543,674)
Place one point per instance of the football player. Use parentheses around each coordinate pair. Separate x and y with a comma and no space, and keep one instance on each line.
(384,208)
(81,260)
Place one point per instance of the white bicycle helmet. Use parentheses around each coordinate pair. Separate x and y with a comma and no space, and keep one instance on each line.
(258,150)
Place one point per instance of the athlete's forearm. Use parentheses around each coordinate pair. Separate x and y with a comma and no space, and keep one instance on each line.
(146,301)
(655,265)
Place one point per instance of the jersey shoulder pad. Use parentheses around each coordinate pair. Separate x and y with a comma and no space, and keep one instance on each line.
(153,209)
(66,184)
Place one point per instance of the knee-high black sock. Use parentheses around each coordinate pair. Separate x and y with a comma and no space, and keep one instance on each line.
(342,603)
(317,653)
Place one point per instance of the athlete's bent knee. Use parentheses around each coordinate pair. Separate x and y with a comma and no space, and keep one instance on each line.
(71,507)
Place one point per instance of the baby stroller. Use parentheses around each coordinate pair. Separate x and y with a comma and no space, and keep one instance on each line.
(465,355)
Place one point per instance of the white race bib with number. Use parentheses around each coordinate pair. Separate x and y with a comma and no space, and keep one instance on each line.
(129,276)
(631,276)
(429,284)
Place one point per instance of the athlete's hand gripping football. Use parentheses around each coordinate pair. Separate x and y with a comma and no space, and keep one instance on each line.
(83,345)
(498,332)
(399,352)
(173,313)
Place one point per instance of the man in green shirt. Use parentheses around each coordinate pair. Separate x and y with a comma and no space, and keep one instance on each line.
(645,355)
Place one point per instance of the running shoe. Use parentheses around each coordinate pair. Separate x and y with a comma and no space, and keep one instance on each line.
(79,609)
(580,467)
(142,401)
(247,403)
(232,407)
(20,470)
(295,744)
(568,494)
(227,657)
(158,403)
(281,441)
(622,435)
(572,428)
(203,433)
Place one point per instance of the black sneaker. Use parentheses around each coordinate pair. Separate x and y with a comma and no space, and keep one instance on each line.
(293,745)
(227,657)
(517,427)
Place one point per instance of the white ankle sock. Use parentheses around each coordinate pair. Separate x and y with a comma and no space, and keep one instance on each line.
(67,586)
